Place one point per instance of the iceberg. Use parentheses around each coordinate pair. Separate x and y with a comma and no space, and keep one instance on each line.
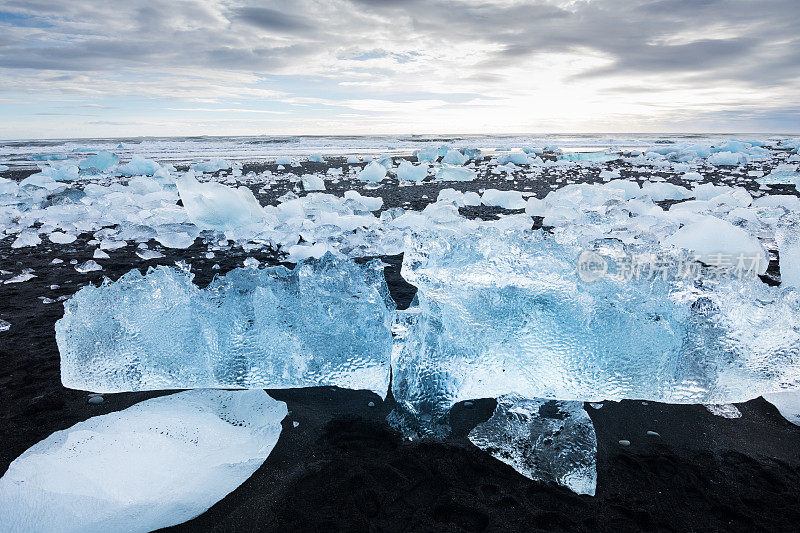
(217,207)
(158,463)
(372,172)
(451,173)
(429,154)
(326,322)
(504,199)
(101,161)
(410,172)
(507,312)
(139,166)
(454,157)
(312,183)
(212,165)
(544,440)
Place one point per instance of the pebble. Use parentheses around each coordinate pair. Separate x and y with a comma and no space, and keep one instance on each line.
(468,404)
(624,442)
(371,404)
(96,399)
(653,434)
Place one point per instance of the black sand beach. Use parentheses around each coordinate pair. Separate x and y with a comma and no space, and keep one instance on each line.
(343,468)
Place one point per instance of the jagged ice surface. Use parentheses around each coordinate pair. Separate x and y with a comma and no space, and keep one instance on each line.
(505,311)
(544,440)
(327,322)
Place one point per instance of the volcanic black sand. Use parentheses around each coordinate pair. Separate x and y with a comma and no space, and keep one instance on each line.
(344,469)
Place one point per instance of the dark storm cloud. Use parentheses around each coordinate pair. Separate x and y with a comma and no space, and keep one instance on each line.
(271,19)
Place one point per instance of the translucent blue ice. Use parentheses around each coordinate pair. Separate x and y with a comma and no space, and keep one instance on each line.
(505,312)
(327,322)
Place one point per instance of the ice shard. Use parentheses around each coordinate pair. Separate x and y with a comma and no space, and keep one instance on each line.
(544,440)
(327,322)
(506,312)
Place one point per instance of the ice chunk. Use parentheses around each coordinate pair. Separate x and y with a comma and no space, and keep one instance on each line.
(544,440)
(372,204)
(410,172)
(450,173)
(724,410)
(665,191)
(59,237)
(727,158)
(430,153)
(692,176)
(788,238)
(458,198)
(353,159)
(312,183)
(454,157)
(212,165)
(283,160)
(608,175)
(506,311)
(158,463)
(327,322)
(788,403)
(27,238)
(505,199)
(100,161)
(217,207)
(316,158)
(783,174)
(518,158)
(720,243)
(64,171)
(139,166)
(4,325)
(88,266)
(372,172)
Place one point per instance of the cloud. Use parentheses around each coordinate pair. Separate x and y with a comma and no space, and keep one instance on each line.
(609,57)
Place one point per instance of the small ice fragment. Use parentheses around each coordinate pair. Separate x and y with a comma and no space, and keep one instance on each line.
(596,405)
(4,325)
(148,255)
(61,238)
(25,275)
(653,433)
(544,440)
(316,158)
(725,410)
(96,399)
(100,254)
(295,423)
(624,442)
(88,266)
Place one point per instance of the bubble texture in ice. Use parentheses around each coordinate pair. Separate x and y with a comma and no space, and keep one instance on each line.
(327,322)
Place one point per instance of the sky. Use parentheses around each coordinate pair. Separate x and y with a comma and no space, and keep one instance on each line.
(108,68)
